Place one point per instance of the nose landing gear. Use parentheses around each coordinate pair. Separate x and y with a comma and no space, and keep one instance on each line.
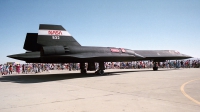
(155,66)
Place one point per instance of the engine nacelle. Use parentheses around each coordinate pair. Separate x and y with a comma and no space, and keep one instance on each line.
(52,50)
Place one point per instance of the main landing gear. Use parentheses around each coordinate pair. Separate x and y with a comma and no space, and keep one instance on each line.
(155,66)
(99,72)
(82,67)
(101,69)
(91,67)
(83,71)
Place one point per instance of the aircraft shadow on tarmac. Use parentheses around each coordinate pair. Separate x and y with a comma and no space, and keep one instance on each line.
(39,78)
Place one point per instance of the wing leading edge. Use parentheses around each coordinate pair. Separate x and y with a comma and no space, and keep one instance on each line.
(161,55)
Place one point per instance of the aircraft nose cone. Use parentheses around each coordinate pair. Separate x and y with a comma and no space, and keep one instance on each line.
(12,56)
(188,56)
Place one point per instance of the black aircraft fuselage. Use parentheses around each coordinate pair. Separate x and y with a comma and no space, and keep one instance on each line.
(78,54)
(53,44)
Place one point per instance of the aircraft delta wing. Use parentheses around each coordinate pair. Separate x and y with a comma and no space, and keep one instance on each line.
(53,44)
(161,55)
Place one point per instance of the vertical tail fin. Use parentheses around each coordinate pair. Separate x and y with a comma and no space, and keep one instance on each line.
(30,43)
(53,35)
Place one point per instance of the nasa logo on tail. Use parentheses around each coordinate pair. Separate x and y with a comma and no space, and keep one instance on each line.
(54,32)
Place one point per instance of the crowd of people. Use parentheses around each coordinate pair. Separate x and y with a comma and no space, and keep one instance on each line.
(42,67)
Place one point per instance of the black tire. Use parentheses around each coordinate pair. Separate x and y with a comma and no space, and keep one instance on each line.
(101,72)
(155,68)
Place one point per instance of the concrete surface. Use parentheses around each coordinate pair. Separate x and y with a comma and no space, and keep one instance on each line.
(120,91)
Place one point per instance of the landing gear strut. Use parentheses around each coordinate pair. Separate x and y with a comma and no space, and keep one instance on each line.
(155,66)
(83,71)
(82,67)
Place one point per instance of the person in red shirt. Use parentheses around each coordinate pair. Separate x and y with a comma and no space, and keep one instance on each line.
(10,69)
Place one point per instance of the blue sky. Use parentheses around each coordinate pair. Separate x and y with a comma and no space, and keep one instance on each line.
(132,24)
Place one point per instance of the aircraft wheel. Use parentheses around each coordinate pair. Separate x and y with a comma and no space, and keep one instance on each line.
(155,68)
(101,72)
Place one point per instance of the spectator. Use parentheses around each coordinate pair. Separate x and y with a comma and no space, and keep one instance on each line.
(18,68)
(10,69)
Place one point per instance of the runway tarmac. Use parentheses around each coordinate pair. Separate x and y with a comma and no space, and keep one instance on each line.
(127,90)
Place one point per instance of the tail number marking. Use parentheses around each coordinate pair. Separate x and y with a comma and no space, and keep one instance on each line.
(55,37)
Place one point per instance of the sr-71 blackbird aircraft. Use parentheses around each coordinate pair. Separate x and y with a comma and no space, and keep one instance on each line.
(53,44)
